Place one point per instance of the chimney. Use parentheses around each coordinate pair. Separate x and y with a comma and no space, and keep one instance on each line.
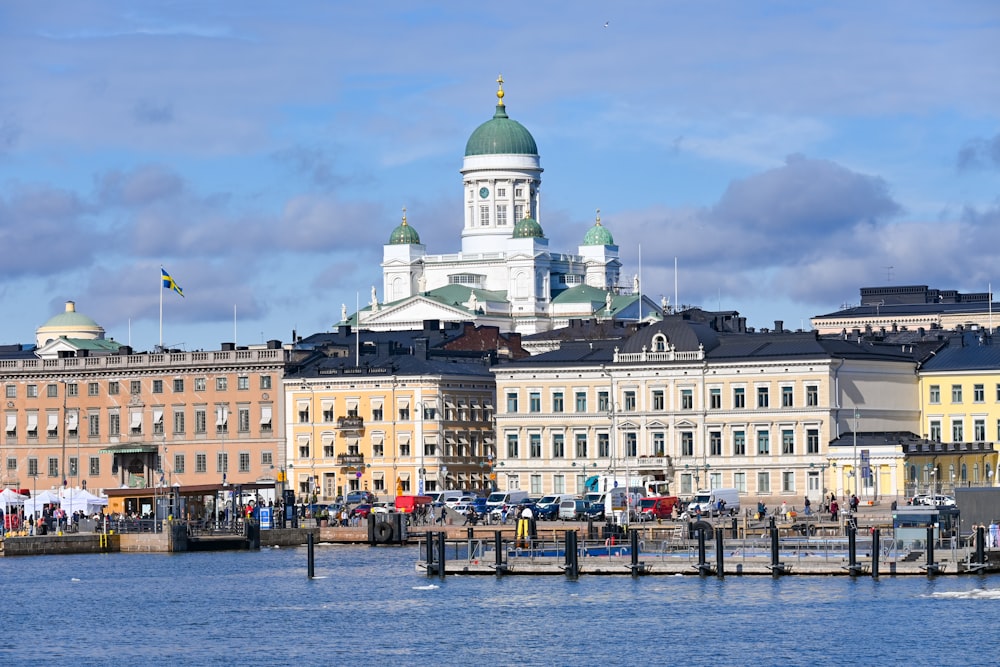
(420,348)
(779,325)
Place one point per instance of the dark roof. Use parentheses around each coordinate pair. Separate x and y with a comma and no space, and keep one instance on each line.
(965,351)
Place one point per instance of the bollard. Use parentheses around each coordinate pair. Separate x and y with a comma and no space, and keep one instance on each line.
(571,556)
(636,567)
(499,564)
(932,566)
(876,550)
(981,545)
(310,562)
(777,567)
(441,553)
(720,570)
(736,534)
(703,567)
(429,546)
(591,533)
(853,567)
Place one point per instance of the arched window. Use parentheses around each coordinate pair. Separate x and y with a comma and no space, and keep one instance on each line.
(913,473)
(965,472)
(659,343)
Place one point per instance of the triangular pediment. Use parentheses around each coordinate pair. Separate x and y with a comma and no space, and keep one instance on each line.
(685,423)
(417,308)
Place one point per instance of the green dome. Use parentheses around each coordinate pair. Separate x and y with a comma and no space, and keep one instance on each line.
(501,135)
(404,234)
(528,229)
(598,234)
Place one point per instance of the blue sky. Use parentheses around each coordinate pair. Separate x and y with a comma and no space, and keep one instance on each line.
(785,153)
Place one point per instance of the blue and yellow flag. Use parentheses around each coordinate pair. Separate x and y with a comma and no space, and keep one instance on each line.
(170,283)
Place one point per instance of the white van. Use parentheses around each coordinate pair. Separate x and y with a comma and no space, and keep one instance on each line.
(547,507)
(498,499)
(708,502)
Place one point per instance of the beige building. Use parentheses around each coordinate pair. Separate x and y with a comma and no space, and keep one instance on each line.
(680,406)
(82,411)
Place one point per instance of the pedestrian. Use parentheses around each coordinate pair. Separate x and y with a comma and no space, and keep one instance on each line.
(854,503)
(444,514)
(808,510)
(834,510)
(783,512)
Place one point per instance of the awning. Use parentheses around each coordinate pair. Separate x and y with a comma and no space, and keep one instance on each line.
(377,438)
(378,474)
(53,422)
(326,404)
(129,448)
(73,420)
(265,415)
(303,405)
(591,482)
(352,405)
(32,421)
(157,416)
(404,476)
(376,403)
(221,416)
(11,423)
(135,420)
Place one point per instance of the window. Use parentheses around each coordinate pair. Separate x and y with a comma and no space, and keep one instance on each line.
(788,482)
(484,216)
(715,443)
(629,401)
(687,399)
(244,461)
(935,394)
(956,393)
(201,462)
(979,430)
(763,443)
(581,401)
(581,445)
(501,192)
(179,462)
(812,441)
(558,446)
(978,393)
(113,388)
(687,443)
(200,384)
(200,420)
(603,402)
(52,391)
(603,445)
(558,484)
(157,386)
(659,444)
(242,383)
(377,413)
(74,465)
(739,443)
(788,442)
(557,401)
(935,434)
(93,389)
(72,389)
(53,466)
(957,431)
(221,383)
(93,425)
(135,422)
(221,419)
(535,445)
(715,398)
(114,423)
(631,444)
(787,399)
(158,422)
(763,482)
(404,412)
(243,416)
(430,412)
(519,211)
(740,481)
(178,385)
(135,387)
(501,214)
(739,398)
(303,413)
(762,397)
(265,381)
(534,402)
(53,425)
(179,421)
(11,390)
(812,395)
(32,391)
(95,466)
(327,412)
(511,402)
(536,484)
(512,449)
(222,462)
(32,466)
(658,401)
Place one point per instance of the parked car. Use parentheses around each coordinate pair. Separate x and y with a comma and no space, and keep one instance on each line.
(359,497)
(384,507)
(573,509)
(657,507)
(595,511)
(363,510)
(936,500)
(547,507)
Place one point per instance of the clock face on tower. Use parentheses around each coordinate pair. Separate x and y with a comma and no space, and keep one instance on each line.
(484,192)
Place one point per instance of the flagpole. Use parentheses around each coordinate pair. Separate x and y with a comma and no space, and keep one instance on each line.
(234,325)
(160,284)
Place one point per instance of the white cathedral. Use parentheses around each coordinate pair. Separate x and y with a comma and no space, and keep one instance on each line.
(505,275)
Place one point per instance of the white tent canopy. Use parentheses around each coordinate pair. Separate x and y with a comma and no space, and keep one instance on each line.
(33,506)
(10,498)
(73,500)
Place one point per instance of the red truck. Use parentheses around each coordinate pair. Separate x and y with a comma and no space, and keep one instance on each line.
(409,504)
(657,507)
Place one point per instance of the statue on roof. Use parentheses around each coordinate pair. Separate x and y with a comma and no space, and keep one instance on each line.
(343,312)
(635,284)
(421,283)
(374,301)
(607,303)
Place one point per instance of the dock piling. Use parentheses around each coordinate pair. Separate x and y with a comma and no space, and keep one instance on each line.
(876,550)
(720,570)
(310,556)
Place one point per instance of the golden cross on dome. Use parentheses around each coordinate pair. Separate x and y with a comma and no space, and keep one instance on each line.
(500,90)
(404,215)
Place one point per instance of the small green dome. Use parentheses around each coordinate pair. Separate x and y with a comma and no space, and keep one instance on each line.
(501,135)
(598,234)
(528,229)
(404,234)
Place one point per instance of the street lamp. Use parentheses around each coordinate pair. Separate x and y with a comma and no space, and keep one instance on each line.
(857,416)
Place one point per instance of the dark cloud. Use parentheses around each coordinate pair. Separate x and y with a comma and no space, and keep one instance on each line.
(314,164)
(45,231)
(148,112)
(979,153)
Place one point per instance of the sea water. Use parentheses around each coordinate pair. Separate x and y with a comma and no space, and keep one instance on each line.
(368,606)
